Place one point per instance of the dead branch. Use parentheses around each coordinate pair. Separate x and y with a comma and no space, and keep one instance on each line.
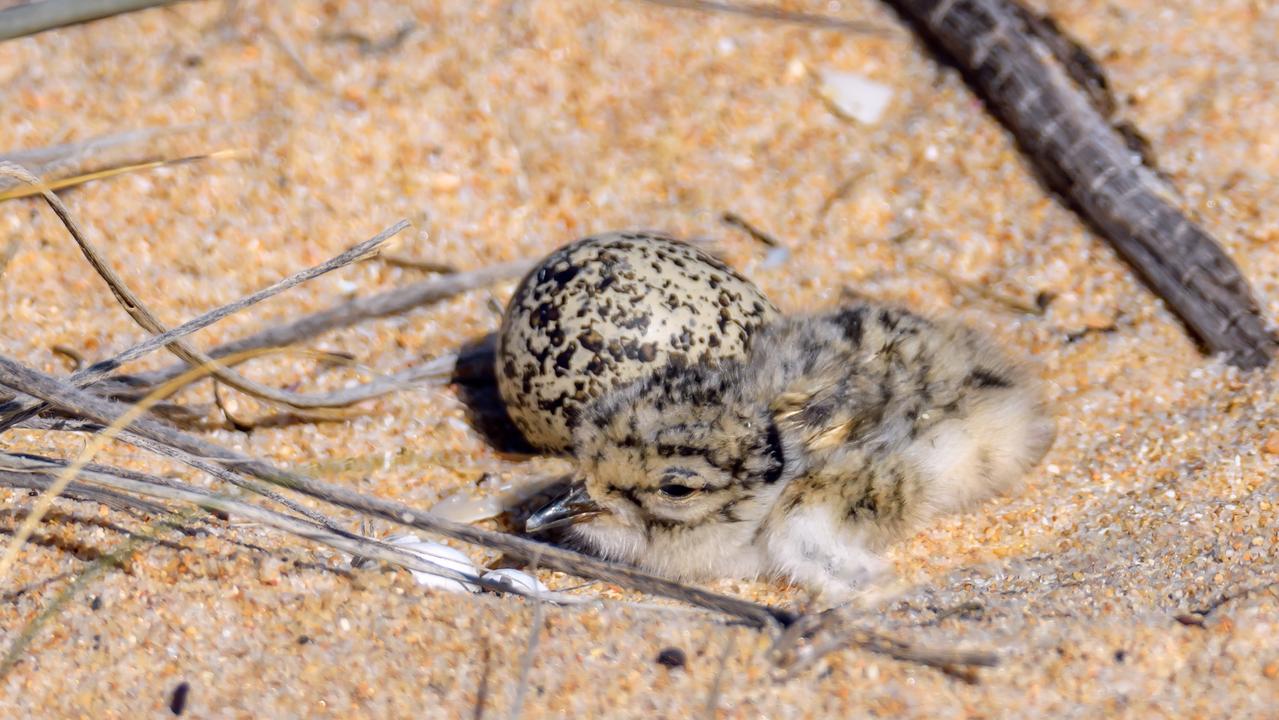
(42,159)
(201,463)
(813,637)
(530,653)
(1055,111)
(19,470)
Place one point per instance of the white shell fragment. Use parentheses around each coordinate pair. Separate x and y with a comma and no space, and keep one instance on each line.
(855,96)
(442,556)
(490,499)
(517,580)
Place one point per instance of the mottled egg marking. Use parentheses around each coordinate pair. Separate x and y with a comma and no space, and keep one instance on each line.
(605,310)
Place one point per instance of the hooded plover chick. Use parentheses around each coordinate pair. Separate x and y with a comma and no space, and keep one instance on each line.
(836,435)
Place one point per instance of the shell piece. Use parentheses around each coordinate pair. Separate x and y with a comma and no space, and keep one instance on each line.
(608,309)
(855,96)
(466,506)
(441,555)
(516,579)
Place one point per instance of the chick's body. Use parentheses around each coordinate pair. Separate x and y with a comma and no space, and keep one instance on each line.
(836,435)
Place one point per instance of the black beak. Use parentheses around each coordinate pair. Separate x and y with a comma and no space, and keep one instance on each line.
(574,507)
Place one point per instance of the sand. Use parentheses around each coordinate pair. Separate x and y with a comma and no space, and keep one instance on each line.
(503,130)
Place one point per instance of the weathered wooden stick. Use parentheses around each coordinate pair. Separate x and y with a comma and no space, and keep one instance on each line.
(1088,161)
(37,17)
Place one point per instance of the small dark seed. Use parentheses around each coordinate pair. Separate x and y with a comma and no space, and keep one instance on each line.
(178,701)
(96,603)
(672,657)
(1043,299)
(303,639)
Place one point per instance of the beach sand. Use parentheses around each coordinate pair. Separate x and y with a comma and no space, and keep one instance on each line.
(505,129)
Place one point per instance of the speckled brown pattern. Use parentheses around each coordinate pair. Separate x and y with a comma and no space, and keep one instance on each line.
(607,309)
(837,434)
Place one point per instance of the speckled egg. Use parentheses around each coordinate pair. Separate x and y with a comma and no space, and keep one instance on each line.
(605,310)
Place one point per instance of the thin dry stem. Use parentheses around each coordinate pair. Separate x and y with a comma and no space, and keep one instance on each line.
(36,17)
(22,191)
(530,652)
(391,302)
(20,410)
(138,310)
(769,12)
(68,474)
(83,404)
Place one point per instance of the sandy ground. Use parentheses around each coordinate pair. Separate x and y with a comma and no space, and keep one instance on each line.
(503,130)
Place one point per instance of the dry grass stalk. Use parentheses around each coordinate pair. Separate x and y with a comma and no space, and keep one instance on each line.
(87,405)
(137,309)
(23,190)
(18,410)
(775,14)
(753,614)
(353,312)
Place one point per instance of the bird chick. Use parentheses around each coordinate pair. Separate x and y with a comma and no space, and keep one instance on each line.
(836,435)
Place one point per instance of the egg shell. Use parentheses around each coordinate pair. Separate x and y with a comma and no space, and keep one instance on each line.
(516,579)
(606,310)
(438,554)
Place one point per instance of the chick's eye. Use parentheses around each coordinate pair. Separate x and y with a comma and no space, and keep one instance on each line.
(672,490)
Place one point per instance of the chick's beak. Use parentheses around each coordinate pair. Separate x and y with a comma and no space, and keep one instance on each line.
(574,507)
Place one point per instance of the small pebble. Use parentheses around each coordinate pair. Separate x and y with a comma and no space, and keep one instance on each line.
(270,571)
(672,657)
(178,700)
(1271,445)
(855,96)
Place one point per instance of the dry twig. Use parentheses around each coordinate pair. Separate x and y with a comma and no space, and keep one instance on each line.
(138,310)
(186,448)
(17,410)
(352,312)
(769,12)
(42,159)
(79,491)
(83,404)
(530,652)
(82,178)
(1052,109)
(813,637)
